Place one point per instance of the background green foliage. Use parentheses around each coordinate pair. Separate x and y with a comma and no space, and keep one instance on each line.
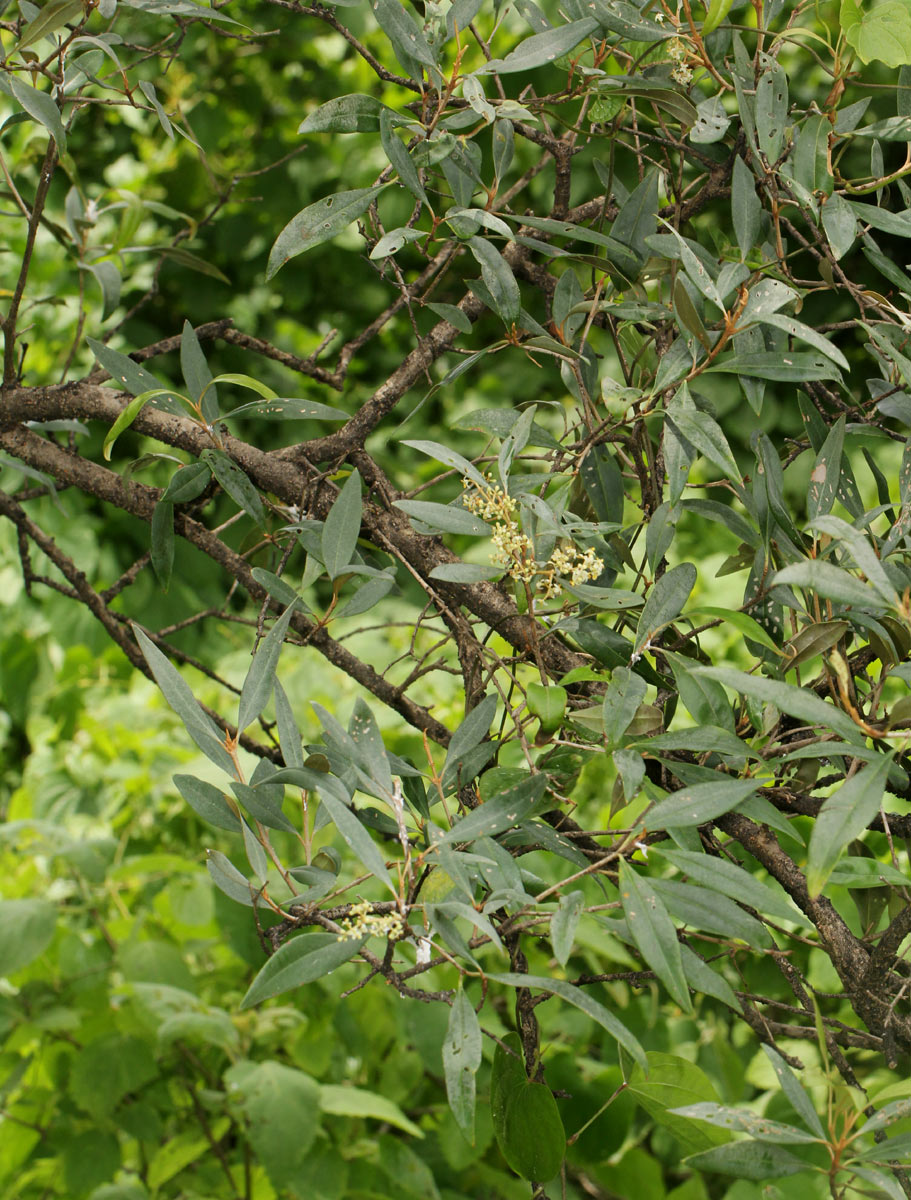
(648,821)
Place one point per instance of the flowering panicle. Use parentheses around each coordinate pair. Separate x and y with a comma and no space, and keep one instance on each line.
(514,549)
(362,922)
(681,73)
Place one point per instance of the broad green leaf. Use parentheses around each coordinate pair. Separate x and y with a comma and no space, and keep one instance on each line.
(201,728)
(40,106)
(882,34)
(343,1101)
(26,929)
(533,1139)
(500,812)
(236,483)
(208,802)
(320,222)
(654,933)
(342,527)
(672,1081)
(843,817)
(281,1107)
(461,1059)
(704,699)
(264,803)
(798,702)
(563,925)
(664,604)
(716,11)
(356,113)
(300,960)
(699,803)
(579,999)
(542,48)
(638,216)
(547,703)
(257,686)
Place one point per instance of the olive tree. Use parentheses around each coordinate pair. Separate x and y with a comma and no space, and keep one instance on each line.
(650,715)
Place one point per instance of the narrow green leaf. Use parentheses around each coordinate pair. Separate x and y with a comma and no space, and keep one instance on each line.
(825,579)
(746,208)
(257,686)
(40,106)
(208,802)
(402,161)
(699,803)
(187,483)
(733,881)
(126,419)
(162,544)
(798,702)
(625,692)
(542,48)
(229,880)
(320,222)
(201,728)
(791,1086)
(840,225)
(344,1101)
(403,32)
(748,1160)
(342,527)
(461,1059)
(664,604)
(287,408)
(654,933)
(50,19)
(563,925)
(357,838)
(356,113)
(796,367)
(301,960)
(581,1000)
(843,817)
(235,482)
(744,1120)
(196,373)
(445,518)
(499,279)
(500,812)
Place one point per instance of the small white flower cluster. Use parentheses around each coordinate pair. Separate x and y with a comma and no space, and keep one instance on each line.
(681,73)
(572,564)
(515,550)
(361,922)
